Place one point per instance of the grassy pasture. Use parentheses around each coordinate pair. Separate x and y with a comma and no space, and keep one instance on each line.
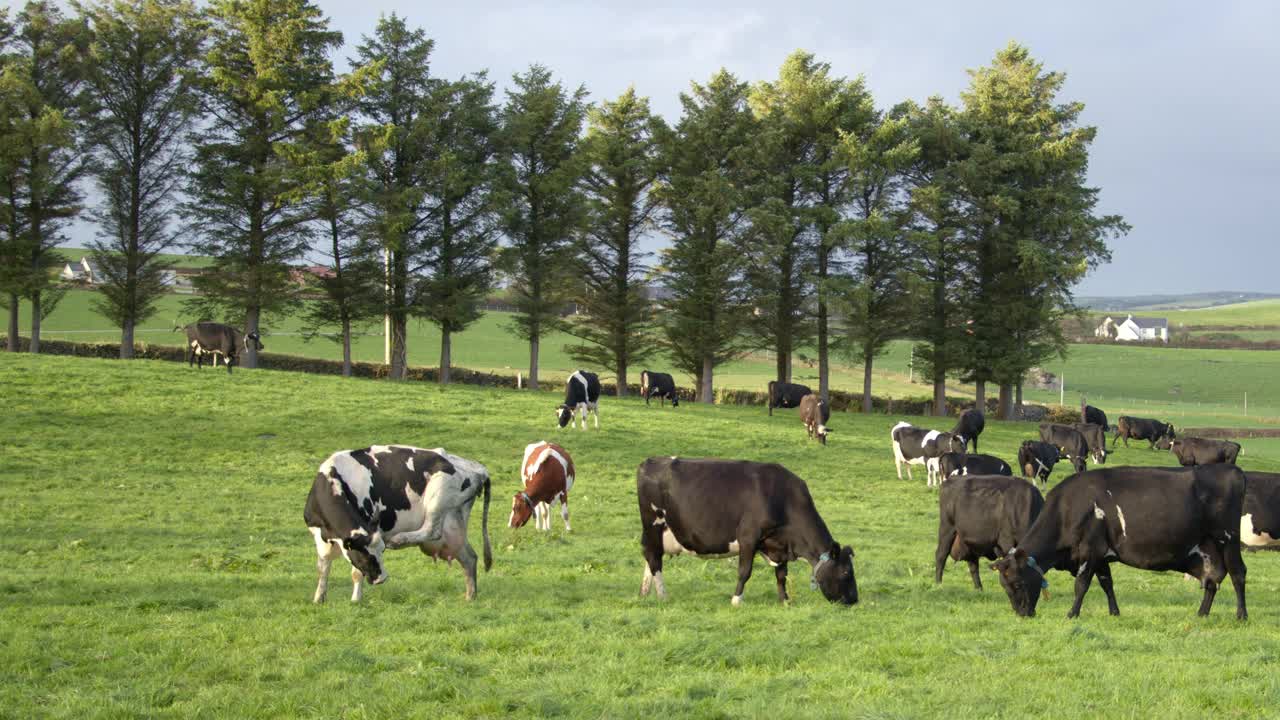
(1257,312)
(157,566)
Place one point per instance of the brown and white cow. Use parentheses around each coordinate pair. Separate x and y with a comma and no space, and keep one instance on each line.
(546,474)
(815,414)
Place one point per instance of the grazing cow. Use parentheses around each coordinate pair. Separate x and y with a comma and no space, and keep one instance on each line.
(1148,518)
(958,464)
(719,507)
(1095,416)
(1199,451)
(363,502)
(1096,438)
(1036,459)
(546,474)
(815,414)
(1069,442)
(581,392)
(210,338)
(918,446)
(1260,524)
(1142,429)
(970,425)
(659,385)
(786,395)
(982,516)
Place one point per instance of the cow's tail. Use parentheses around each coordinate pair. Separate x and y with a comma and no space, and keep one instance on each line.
(484,529)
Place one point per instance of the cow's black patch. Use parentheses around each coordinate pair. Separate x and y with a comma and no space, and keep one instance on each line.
(387,520)
(367,509)
(365,458)
(466,483)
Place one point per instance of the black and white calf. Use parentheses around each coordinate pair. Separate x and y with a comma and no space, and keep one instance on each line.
(951,464)
(815,414)
(723,507)
(982,516)
(659,385)
(581,393)
(1184,520)
(363,502)
(970,425)
(1070,443)
(786,395)
(1200,451)
(1260,524)
(919,446)
(1036,459)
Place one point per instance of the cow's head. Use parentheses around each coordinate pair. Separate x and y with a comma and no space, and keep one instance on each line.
(958,444)
(254,338)
(1023,579)
(834,575)
(364,552)
(521,510)
(1173,446)
(821,433)
(675,400)
(564,414)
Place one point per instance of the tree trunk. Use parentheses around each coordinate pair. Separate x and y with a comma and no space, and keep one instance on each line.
(1006,402)
(399,345)
(780,362)
(446,355)
(35,322)
(1017,401)
(706,391)
(622,380)
(12,340)
(251,319)
(126,339)
(533,362)
(867,360)
(346,347)
(940,395)
(824,366)
(980,395)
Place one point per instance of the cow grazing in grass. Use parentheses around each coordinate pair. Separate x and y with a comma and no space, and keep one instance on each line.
(1036,459)
(659,385)
(952,464)
(1260,524)
(786,395)
(581,393)
(982,516)
(363,502)
(216,339)
(970,425)
(724,507)
(1096,438)
(546,475)
(919,446)
(1095,416)
(815,414)
(1184,520)
(1070,443)
(1200,451)
(1142,429)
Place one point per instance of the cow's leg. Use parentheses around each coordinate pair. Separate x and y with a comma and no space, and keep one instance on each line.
(651,540)
(897,465)
(1212,571)
(746,558)
(946,536)
(1083,577)
(325,553)
(780,572)
(227,361)
(1104,579)
(975,573)
(595,413)
(564,512)
(1236,568)
(467,558)
(357,585)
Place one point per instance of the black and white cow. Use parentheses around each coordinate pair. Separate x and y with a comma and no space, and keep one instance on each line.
(1036,459)
(1095,416)
(1142,429)
(1260,524)
(659,385)
(815,414)
(970,425)
(214,339)
(958,464)
(786,395)
(982,516)
(920,446)
(363,502)
(581,393)
(1096,438)
(1069,442)
(1185,520)
(717,507)
(1200,451)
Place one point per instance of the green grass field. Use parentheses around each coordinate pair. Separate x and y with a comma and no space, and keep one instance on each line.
(1258,312)
(157,566)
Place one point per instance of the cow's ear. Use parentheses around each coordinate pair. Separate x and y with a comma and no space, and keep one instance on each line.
(847,552)
(834,550)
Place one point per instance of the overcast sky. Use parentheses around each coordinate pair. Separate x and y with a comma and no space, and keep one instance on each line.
(1185,95)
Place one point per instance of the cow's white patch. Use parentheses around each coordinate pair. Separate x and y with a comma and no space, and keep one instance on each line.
(736,601)
(1250,536)
(1124,529)
(659,586)
(930,437)
(409,464)
(672,546)
(902,425)
(1098,513)
(1083,565)
(1110,553)
(358,532)
(733,546)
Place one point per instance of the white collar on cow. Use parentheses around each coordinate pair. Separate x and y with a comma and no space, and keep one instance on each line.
(1044,582)
(813,579)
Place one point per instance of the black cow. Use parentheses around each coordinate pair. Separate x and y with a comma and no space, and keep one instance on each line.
(659,385)
(815,414)
(720,507)
(1069,442)
(970,425)
(1184,520)
(786,395)
(581,392)
(1036,459)
(1096,438)
(919,446)
(1199,451)
(1260,524)
(1095,416)
(959,464)
(1142,429)
(210,338)
(982,516)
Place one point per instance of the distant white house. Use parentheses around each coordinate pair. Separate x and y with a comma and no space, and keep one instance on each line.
(83,271)
(1135,329)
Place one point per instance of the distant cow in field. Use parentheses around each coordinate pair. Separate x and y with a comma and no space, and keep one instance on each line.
(659,385)
(1184,520)
(919,446)
(716,507)
(1036,459)
(1260,524)
(1096,438)
(952,464)
(1069,441)
(581,393)
(815,414)
(1096,416)
(1142,429)
(546,474)
(214,339)
(1200,451)
(982,516)
(970,425)
(786,395)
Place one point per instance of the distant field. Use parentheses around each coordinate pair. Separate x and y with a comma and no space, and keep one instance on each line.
(1259,312)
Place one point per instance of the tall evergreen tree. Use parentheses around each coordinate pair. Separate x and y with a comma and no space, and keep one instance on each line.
(622,153)
(13,262)
(143,107)
(266,80)
(704,204)
(539,169)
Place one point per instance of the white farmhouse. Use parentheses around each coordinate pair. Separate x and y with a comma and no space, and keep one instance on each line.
(1135,329)
(82,271)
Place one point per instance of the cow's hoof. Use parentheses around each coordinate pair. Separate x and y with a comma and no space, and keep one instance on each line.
(736,601)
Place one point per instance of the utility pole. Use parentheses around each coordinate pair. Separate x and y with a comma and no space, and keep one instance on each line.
(386,317)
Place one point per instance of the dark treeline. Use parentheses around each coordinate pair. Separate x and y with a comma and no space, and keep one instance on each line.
(798,214)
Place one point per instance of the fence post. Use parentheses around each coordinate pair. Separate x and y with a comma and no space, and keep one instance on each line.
(519,381)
